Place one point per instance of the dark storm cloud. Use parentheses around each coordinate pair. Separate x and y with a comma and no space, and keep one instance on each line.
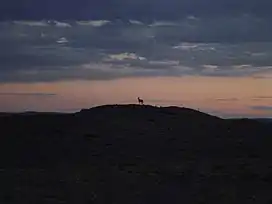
(129,9)
(34,51)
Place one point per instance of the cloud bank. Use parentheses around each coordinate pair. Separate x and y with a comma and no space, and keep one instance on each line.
(35,51)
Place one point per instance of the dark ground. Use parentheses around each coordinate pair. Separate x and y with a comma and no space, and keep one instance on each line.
(134,155)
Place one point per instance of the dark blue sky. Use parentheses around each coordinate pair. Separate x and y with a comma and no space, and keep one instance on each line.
(218,42)
(144,10)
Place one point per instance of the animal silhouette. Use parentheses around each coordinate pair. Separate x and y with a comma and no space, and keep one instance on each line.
(140,101)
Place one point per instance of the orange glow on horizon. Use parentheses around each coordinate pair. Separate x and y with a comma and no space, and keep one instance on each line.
(227,95)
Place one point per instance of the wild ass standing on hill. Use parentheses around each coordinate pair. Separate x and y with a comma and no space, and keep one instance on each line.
(140,101)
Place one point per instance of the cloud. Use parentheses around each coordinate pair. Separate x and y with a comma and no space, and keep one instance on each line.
(31,23)
(62,40)
(123,49)
(257,54)
(243,66)
(124,56)
(97,23)
(195,46)
(210,68)
(264,97)
(163,23)
(61,24)
(164,63)
(227,99)
(135,22)
(27,94)
(262,108)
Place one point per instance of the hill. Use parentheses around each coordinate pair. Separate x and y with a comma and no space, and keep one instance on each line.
(134,154)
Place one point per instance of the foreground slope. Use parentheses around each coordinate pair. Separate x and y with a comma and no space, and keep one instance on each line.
(134,154)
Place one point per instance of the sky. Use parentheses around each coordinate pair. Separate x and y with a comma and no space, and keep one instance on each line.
(215,56)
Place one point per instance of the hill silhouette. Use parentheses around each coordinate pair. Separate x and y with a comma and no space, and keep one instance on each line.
(134,154)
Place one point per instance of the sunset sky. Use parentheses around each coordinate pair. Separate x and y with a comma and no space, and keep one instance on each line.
(215,56)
